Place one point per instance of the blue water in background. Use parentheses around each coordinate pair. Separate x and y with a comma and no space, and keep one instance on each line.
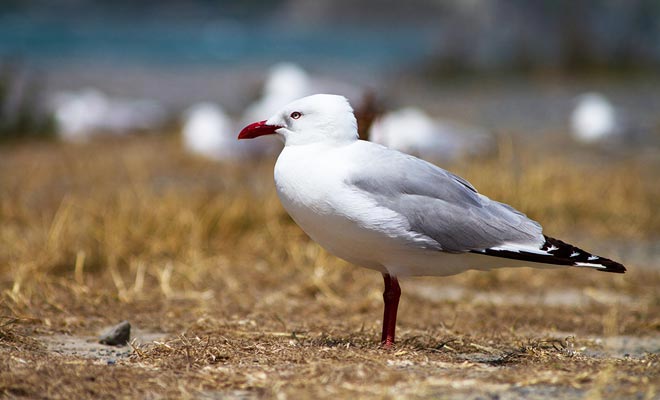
(44,39)
(183,52)
(179,52)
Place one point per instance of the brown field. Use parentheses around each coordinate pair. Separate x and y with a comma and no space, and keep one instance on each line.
(229,298)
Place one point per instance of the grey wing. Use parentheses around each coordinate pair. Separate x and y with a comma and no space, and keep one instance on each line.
(441,205)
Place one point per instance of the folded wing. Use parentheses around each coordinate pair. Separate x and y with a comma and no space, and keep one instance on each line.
(448,209)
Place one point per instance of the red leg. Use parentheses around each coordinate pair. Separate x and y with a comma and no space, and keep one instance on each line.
(391,298)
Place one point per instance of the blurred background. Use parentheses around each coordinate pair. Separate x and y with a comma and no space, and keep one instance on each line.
(510,65)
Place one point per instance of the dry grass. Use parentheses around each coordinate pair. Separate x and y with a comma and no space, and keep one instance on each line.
(203,252)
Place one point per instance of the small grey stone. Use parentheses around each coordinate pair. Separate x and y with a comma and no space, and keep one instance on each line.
(112,361)
(118,335)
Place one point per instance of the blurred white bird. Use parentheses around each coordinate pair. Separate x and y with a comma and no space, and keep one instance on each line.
(595,119)
(413,131)
(82,114)
(285,82)
(208,131)
(288,81)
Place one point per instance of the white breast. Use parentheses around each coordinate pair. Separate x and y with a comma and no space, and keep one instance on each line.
(311,185)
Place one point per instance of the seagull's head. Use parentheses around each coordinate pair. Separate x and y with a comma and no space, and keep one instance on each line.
(312,119)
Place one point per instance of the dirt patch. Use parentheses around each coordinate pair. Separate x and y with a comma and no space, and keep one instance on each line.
(89,347)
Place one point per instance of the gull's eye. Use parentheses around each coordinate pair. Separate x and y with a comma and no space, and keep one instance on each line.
(296,115)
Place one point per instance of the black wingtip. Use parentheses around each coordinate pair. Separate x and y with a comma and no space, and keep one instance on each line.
(581,258)
(611,266)
(560,253)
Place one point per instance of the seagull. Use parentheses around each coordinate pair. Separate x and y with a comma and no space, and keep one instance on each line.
(595,119)
(285,83)
(288,81)
(206,129)
(413,131)
(394,213)
(79,115)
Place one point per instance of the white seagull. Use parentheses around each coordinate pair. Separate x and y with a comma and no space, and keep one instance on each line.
(82,114)
(285,83)
(392,212)
(413,131)
(206,131)
(595,119)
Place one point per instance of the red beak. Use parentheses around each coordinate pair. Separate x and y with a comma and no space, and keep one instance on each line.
(257,129)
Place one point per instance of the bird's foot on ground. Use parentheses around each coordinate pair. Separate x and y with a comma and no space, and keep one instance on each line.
(387,345)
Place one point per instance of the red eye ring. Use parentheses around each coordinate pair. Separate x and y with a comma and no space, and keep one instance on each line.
(296,115)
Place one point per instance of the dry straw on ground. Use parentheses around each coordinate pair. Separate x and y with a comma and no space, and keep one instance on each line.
(203,255)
